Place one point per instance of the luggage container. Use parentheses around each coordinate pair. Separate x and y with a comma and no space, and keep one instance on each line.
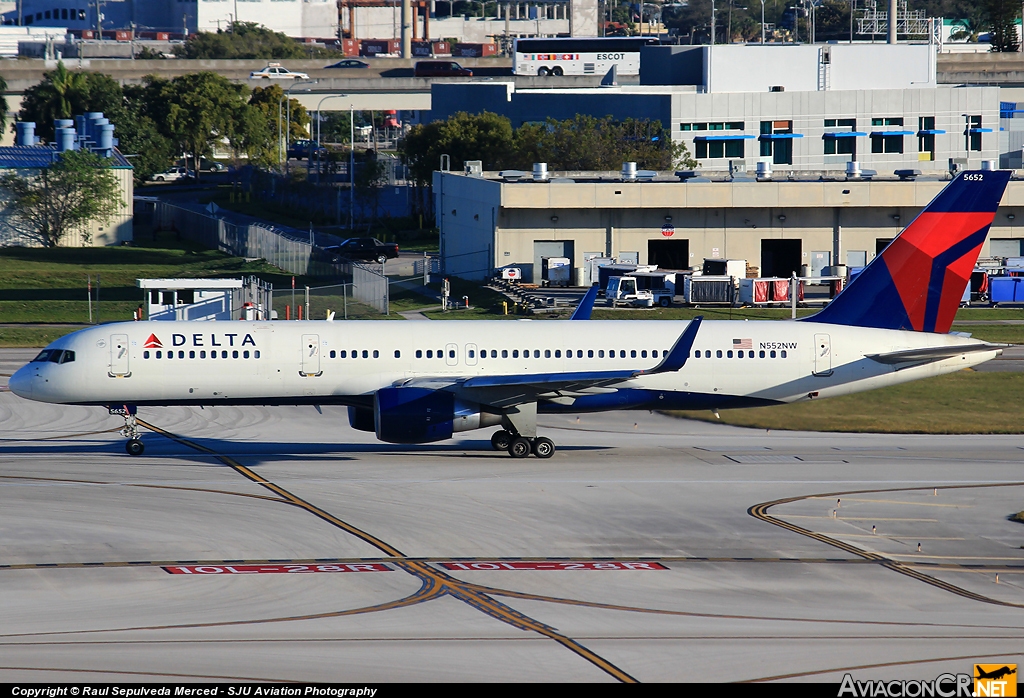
(707,290)
(764,291)
(555,271)
(1006,289)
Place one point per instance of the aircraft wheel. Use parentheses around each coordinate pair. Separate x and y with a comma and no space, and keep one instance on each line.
(500,440)
(519,447)
(543,447)
(135,447)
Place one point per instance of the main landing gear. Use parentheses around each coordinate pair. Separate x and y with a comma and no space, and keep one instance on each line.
(521,447)
(134,447)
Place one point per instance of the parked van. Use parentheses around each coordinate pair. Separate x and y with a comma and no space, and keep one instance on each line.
(440,69)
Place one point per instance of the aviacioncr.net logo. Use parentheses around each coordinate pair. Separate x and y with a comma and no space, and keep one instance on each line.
(943,686)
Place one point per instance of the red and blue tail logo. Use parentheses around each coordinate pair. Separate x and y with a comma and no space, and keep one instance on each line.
(917,282)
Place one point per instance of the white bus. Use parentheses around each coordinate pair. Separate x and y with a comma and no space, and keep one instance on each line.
(545,57)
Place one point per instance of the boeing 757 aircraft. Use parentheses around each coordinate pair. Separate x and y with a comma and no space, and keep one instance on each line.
(418,382)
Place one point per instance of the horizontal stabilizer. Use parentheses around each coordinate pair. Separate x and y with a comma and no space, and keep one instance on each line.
(929,354)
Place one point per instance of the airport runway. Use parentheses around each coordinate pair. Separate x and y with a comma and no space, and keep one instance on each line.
(278,544)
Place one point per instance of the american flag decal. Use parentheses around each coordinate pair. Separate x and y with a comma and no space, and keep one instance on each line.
(742,344)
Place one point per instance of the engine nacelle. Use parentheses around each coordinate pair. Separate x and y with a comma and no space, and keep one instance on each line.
(421,415)
(361,418)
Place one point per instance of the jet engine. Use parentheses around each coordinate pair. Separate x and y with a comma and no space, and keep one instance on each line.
(421,415)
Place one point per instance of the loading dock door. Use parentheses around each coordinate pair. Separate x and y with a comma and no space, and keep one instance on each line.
(780,258)
(669,254)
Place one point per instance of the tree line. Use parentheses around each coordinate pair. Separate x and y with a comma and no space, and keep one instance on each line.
(160,120)
(583,143)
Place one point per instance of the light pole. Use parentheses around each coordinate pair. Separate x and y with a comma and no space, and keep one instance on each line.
(320,104)
(762,21)
(712,22)
(287,96)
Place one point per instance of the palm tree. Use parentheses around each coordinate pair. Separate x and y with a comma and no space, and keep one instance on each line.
(60,95)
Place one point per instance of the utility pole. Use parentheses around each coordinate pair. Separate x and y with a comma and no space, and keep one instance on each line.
(99,23)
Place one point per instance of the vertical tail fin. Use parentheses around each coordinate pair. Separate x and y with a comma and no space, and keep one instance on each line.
(917,282)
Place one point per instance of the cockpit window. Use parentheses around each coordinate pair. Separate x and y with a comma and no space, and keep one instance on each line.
(57,356)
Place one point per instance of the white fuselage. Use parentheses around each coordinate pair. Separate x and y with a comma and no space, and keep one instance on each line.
(321,362)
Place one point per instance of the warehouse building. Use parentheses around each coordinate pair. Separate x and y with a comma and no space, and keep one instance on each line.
(785,107)
(489,222)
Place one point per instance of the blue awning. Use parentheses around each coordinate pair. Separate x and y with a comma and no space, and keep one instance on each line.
(778,136)
(892,133)
(980,130)
(930,132)
(737,137)
(843,134)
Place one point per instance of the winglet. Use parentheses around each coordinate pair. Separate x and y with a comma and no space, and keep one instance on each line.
(677,356)
(586,305)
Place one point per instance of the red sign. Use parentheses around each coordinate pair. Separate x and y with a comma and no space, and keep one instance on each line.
(555,566)
(278,569)
(668,230)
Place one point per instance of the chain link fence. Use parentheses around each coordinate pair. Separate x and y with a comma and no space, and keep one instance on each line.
(282,248)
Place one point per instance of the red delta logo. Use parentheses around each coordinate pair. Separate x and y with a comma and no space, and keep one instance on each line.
(153,343)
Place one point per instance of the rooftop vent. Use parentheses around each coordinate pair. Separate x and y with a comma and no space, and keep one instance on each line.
(629,172)
(540,172)
(26,133)
(512,175)
(474,168)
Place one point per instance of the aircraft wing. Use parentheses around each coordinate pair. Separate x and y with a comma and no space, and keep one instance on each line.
(930,354)
(516,389)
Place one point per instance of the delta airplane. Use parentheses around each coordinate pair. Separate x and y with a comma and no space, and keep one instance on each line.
(419,382)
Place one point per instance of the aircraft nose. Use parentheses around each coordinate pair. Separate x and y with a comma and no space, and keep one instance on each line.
(21,382)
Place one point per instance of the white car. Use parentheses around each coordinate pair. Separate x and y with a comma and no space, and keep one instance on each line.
(173,174)
(276,70)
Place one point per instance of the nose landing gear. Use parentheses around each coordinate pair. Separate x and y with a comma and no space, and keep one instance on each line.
(134,447)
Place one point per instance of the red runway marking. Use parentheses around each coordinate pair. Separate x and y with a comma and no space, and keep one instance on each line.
(503,566)
(278,569)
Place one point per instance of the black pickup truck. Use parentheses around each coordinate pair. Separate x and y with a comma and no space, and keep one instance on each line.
(362,249)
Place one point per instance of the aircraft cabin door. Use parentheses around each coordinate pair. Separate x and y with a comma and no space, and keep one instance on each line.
(451,354)
(119,356)
(310,355)
(822,355)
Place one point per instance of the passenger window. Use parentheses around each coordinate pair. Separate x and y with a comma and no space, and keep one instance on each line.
(600,353)
(342,353)
(547,354)
(159,355)
(761,353)
(334,354)
(622,353)
(234,354)
(366,354)
(504,353)
(590,353)
(145,354)
(558,353)
(181,354)
(245,354)
(419,353)
(515,353)
(707,354)
(750,354)
(696,354)
(729,353)
(256,354)
(579,353)
(440,353)
(471,354)
(191,355)
(451,353)
(202,354)
(376,354)
(494,353)
(718,354)
(398,354)
(213,355)
(536,353)
(771,354)
(430,353)
(170,355)
(783,354)
(643,354)
(224,354)
(632,353)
